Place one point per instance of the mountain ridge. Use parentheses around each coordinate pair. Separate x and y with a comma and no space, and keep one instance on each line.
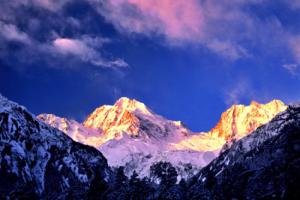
(129,132)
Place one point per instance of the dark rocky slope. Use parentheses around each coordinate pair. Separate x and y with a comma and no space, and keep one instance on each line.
(38,161)
(263,165)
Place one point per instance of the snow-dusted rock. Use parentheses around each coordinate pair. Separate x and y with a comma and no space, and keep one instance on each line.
(39,161)
(262,165)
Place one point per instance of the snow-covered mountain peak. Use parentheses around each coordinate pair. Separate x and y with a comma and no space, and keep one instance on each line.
(254,103)
(132,105)
(133,118)
(239,120)
(275,105)
(1,97)
(74,129)
(60,123)
(235,123)
(7,105)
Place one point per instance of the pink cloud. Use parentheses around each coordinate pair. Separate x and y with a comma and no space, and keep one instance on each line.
(207,23)
(178,19)
(72,46)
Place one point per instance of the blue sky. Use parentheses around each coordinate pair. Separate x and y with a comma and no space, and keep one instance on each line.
(186,60)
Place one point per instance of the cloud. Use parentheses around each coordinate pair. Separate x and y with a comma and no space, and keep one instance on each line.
(52,5)
(112,63)
(241,90)
(12,33)
(212,24)
(59,39)
(72,46)
(84,50)
(178,19)
(229,28)
(295,46)
(291,68)
(227,49)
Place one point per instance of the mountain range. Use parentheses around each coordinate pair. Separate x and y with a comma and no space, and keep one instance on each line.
(252,153)
(130,134)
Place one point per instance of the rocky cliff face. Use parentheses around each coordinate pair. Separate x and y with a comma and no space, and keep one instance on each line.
(39,161)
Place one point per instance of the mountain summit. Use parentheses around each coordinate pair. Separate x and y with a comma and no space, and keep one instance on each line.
(133,118)
(120,114)
(239,120)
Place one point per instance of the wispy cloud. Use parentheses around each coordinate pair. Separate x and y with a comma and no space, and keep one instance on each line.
(82,49)
(293,69)
(241,90)
(178,19)
(295,46)
(50,4)
(227,49)
(53,5)
(12,33)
